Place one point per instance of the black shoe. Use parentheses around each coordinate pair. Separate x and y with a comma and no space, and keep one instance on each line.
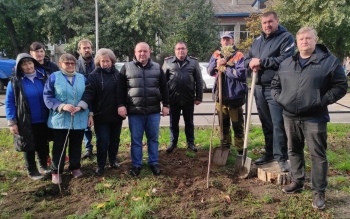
(171,147)
(35,175)
(319,200)
(155,170)
(88,154)
(135,171)
(192,147)
(264,159)
(115,165)
(284,166)
(292,188)
(99,171)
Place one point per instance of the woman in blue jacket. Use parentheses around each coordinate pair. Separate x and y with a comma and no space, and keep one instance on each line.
(27,114)
(63,91)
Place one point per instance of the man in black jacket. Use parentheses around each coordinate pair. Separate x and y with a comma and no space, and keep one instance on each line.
(304,86)
(274,45)
(141,88)
(185,85)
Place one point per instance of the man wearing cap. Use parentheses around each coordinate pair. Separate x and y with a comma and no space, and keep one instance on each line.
(233,89)
(274,45)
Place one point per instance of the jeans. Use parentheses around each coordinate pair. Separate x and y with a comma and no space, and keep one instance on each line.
(87,139)
(315,135)
(107,142)
(138,125)
(234,116)
(40,138)
(187,113)
(74,140)
(270,114)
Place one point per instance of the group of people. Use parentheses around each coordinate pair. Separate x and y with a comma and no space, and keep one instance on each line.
(292,93)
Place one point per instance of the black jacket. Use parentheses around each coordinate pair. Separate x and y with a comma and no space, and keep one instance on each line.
(306,92)
(101,95)
(271,51)
(49,66)
(185,82)
(142,88)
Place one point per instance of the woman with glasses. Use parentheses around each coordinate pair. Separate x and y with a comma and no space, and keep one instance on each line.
(101,96)
(63,91)
(27,114)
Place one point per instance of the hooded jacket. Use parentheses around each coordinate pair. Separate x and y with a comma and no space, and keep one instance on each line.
(305,92)
(142,88)
(185,82)
(24,102)
(271,50)
(101,95)
(50,67)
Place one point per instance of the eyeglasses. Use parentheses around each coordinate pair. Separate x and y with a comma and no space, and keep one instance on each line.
(69,63)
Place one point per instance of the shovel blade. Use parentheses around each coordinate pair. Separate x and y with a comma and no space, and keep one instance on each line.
(242,170)
(220,156)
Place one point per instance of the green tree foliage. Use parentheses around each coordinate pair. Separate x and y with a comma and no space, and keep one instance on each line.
(253,24)
(330,18)
(191,22)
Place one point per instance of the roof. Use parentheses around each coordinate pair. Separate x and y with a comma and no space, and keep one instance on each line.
(223,8)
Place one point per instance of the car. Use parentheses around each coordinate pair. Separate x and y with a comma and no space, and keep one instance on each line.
(208,81)
(119,65)
(7,69)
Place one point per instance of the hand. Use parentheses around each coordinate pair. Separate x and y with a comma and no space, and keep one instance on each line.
(91,121)
(69,108)
(220,62)
(76,109)
(254,63)
(14,129)
(165,111)
(197,102)
(122,111)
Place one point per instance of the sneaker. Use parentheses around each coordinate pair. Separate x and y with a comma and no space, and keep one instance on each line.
(99,171)
(171,147)
(35,175)
(115,165)
(318,201)
(284,166)
(77,173)
(192,147)
(56,178)
(155,170)
(88,154)
(135,171)
(264,159)
(45,170)
(292,188)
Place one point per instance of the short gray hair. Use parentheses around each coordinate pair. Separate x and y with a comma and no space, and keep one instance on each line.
(307,29)
(104,52)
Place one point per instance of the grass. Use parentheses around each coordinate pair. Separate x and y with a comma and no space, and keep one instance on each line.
(126,197)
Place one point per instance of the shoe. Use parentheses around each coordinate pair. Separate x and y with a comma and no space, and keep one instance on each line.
(135,171)
(35,175)
(284,166)
(192,147)
(115,165)
(56,178)
(264,159)
(88,154)
(318,200)
(155,170)
(292,188)
(171,147)
(77,173)
(45,170)
(99,171)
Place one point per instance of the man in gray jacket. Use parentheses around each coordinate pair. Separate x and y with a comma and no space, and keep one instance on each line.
(304,86)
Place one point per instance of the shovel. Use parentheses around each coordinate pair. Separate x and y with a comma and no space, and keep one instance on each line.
(243,163)
(220,153)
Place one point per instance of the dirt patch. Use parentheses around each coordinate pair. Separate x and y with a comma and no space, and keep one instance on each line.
(226,197)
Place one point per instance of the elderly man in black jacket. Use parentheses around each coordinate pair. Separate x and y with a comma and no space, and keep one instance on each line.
(304,86)
(185,85)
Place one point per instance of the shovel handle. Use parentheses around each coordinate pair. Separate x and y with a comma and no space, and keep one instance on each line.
(220,112)
(250,104)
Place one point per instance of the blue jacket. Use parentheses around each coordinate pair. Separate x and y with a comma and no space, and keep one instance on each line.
(234,78)
(59,90)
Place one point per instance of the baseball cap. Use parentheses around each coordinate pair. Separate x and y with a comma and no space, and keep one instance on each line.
(228,34)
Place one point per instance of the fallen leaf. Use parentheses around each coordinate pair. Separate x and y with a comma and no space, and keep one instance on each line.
(4,194)
(146,194)
(136,198)
(107,185)
(154,190)
(227,199)
(101,205)
(14,179)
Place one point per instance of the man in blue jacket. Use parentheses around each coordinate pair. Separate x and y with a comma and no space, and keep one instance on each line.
(274,45)
(304,86)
